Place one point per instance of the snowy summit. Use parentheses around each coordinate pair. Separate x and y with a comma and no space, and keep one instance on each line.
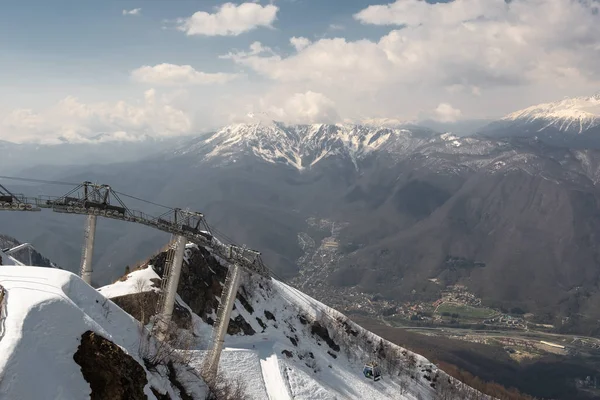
(572,115)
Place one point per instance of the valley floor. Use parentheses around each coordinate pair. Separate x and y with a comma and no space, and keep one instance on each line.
(512,358)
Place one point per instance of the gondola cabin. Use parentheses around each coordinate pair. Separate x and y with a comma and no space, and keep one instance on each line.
(372,371)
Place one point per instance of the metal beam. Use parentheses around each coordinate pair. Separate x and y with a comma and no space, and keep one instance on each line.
(88,249)
(101,200)
(230,287)
(172,274)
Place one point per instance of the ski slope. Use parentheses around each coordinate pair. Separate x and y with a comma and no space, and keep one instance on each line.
(276,386)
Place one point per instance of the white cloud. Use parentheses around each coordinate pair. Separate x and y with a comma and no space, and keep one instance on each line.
(299,43)
(308,107)
(507,44)
(336,27)
(135,11)
(418,12)
(77,121)
(446,113)
(459,88)
(229,20)
(256,48)
(171,74)
(296,108)
(479,46)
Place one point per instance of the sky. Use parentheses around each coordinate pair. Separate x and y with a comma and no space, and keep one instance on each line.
(132,69)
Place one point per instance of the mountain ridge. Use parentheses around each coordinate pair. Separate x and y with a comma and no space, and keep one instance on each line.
(303,146)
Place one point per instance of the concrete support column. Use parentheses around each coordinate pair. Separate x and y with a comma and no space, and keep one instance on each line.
(171,291)
(88,249)
(228,295)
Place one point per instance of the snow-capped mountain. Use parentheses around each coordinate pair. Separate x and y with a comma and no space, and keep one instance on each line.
(572,115)
(304,146)
(571,121)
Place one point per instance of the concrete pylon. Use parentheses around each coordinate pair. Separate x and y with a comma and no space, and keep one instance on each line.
(228,295)
(164,319)
(88,249)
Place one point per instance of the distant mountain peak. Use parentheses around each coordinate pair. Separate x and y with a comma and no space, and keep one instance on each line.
(573,115)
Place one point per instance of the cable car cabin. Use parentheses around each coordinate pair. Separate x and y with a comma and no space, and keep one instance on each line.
(372,371)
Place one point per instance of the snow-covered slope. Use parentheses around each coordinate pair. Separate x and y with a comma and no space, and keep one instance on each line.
(284,344)
(44,313)
(571,122)
(572,115)
(303,146)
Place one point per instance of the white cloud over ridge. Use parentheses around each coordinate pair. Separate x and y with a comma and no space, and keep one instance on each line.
(446,113)
(308,107)
(75,121)
(171,75)
(229,20)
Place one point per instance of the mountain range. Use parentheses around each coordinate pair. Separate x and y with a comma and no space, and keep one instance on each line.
(379,210)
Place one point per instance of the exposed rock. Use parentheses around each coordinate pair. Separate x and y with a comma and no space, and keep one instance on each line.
(111,373)
(323,333)
(175,381)
(348,329)
(159,395)
(239,324)
(200,284)
(293,340)
(269,315)
(261,323)
(287,353)
(143,305)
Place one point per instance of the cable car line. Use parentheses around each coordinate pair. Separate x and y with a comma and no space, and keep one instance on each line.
(101,200)
(143,200)
(14,178)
